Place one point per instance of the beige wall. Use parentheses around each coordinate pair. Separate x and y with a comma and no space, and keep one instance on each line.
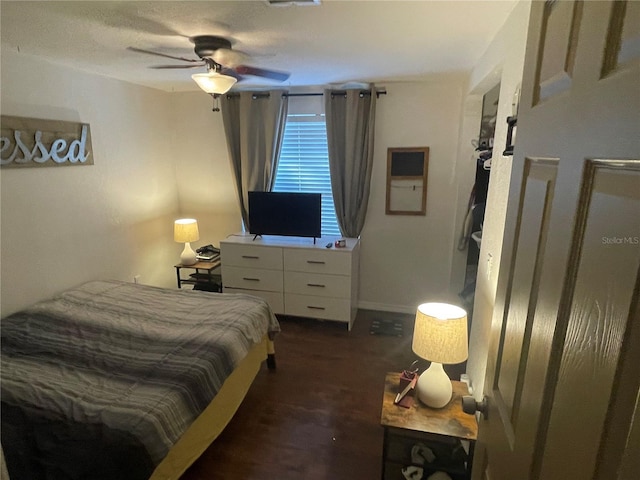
(203,175)
(160,156)
(502,62)
(406,259)
(61,226)
(145,177)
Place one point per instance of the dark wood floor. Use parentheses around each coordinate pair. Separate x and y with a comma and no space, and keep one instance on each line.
(317,417)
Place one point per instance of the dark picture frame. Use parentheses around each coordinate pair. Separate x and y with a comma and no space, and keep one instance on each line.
(407,173)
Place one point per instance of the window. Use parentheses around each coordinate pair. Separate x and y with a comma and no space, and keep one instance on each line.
(304,165)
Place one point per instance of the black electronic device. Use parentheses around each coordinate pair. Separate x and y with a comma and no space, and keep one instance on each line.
(285,214)
(207,253)
(208,249)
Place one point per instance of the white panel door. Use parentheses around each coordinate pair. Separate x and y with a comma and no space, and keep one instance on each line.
(563,372)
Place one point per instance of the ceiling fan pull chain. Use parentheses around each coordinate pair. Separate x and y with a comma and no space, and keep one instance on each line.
(216,102)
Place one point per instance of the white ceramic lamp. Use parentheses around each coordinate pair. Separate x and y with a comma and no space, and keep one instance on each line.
(185,231)
(440,336)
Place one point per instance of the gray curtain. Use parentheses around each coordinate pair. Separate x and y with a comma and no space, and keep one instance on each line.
(254,125)
(350,116)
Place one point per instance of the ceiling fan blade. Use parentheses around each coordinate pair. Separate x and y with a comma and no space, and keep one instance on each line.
(229,58)
(149,52)
(232,73)
(262,72)
(162,67)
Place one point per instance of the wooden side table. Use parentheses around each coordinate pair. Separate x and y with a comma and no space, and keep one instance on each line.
(448,433)
(204,277)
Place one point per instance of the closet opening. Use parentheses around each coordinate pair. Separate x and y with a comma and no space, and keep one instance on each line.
(478,198)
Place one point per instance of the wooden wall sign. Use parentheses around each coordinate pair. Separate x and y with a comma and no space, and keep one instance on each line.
(34,142)
(407,180)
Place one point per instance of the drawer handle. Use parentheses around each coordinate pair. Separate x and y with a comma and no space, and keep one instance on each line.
(315,308)
(315,285)
(251,257)
(251,279)
(316,262)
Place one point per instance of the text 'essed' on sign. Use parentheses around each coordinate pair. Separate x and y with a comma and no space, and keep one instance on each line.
(34,142)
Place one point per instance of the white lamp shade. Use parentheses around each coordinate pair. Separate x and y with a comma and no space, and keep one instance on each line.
(440,333)
(213,82)
(186,230)
(440,336)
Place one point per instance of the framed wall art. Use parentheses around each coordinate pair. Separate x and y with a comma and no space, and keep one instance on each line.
(407,170)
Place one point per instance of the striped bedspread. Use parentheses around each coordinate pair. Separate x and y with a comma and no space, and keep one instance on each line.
(109,375)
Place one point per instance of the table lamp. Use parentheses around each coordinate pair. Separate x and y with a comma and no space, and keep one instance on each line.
(440,336)
(186,230)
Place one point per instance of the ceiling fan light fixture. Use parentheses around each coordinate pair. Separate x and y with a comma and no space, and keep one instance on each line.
(214,82)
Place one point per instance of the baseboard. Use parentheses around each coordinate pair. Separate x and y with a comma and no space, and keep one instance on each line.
(384,307)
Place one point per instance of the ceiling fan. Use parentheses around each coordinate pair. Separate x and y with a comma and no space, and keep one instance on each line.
(224,65)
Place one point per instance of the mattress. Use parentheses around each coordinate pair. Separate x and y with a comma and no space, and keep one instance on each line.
(101,381)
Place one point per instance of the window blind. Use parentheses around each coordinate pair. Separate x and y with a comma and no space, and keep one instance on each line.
(304,165)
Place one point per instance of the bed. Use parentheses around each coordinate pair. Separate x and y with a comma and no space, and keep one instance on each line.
(113,380)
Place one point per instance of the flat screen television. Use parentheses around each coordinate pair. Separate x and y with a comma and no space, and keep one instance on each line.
(284,213)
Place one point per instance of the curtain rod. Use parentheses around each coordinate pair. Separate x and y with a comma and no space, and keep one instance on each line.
(311,94)
(336,92)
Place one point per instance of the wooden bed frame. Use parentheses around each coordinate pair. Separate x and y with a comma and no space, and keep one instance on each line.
(212,421)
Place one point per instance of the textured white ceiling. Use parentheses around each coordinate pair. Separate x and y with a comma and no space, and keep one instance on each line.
(335,42)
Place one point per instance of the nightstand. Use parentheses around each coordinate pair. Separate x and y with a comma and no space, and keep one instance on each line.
(445,436)
(204,277)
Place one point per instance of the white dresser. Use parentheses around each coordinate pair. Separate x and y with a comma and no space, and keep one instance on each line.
(295,276)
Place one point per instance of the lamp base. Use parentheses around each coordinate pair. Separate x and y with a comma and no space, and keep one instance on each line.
(434,387)
(188,256)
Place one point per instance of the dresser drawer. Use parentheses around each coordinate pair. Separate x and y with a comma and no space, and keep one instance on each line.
(317,307)
(252,278)
(337,286)
(251,256)
(274,299)
(317,261)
